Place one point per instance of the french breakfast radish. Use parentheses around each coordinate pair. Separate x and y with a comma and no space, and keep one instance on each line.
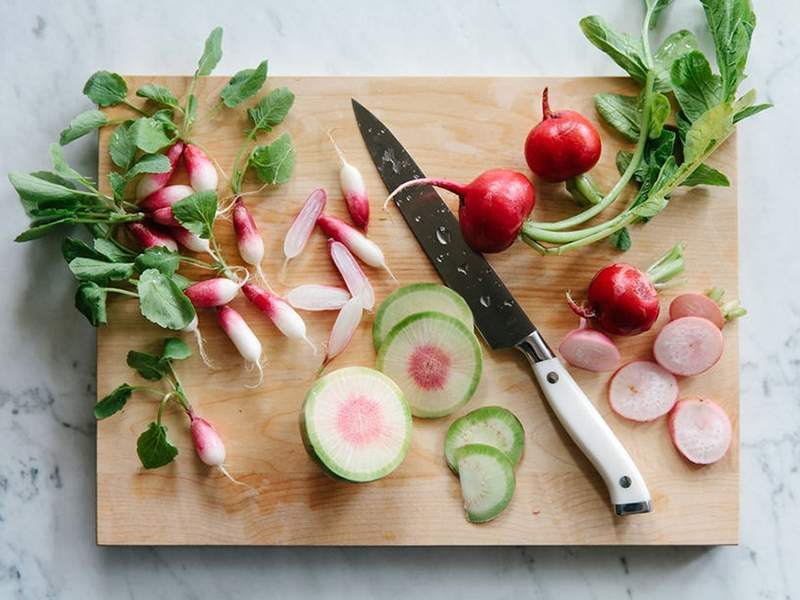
(189,240)
(688,346)
(208,444)
(248,238)
(700,430)
(152,182)
(288,322)
(344,328)
(709,306)
(314,297)
(360,245)
(353,188)
(353,275)
(492,207)
(164,216)
(150,236)
(642,391)
(202,172)
(242,337)
(212,292)
(164,197)
(589,349)
(302,226)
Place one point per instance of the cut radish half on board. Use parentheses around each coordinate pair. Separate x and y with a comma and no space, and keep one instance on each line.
(700,430)
(688,346)
(696,305)
(487,481)
(490,425)
(435,360)
(642,391)
(408,299)
(356,424)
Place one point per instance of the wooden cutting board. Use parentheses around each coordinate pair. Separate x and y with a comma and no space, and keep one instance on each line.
(455,127)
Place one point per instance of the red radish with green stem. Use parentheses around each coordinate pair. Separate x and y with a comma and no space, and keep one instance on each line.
(302,226)
(242,337)
(201,170)
(189,240)
(212,292)
(164,216)
(589,349)
(688,346)
(492,207)
(708,306)
(642,391)
(700,430)
(150,236)
(152,182)
(208,444)
(353,188)
(360,245)
(353,275)
(164,197)
(315,297)
(248,238)
(288,322)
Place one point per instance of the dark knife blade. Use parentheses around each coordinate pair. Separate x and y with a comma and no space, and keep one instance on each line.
(499,318)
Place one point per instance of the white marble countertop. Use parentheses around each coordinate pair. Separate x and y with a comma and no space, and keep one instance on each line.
(47,363)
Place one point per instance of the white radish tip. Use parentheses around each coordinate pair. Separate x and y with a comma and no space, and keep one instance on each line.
(233,479)
(260,375)
(310,343)
(263,278)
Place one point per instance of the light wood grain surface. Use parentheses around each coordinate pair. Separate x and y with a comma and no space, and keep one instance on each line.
(454,127)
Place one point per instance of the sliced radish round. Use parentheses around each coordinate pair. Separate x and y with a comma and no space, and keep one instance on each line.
(435,360)
(700,430)
(407,300)
(696,305)
(688,346)
(356,424)
(487,481)
(491,425)
(642,391)
(589,349)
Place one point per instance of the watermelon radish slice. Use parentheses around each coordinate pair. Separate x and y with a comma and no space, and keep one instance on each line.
(642,391)
(409,299)
(356,424)
(487,481)
(435,360)
(490,425)
(688,346)
(700,430)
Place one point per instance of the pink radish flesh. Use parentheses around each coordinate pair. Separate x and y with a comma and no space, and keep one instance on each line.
(279,312)
(700,430)
(212,292)
(359,244)
(152,182)
(303,224)
(344,328)
(166,196)
(353,275)
(150,236)
(164,216)
(202,173)
(589,349)
(688,346)
(696,305)
(242,337)
(189,240)
(353,188)
(315,297)
(642,391)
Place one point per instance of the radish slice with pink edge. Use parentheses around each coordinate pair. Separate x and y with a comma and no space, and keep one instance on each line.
(152,182)
(352,273)
(166,196)
(356,424)
(314,297)
(589,349)
(700,430)
(688,346)
(344,328)
(696,305)
(302,226)
(642,391)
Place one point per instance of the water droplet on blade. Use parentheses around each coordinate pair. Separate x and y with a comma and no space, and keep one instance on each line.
(463,269)
(486,301)
(443,235)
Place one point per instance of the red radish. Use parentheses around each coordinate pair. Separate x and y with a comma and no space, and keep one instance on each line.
(564,145)
(240,334)
(202,173)
(700,430)
(152,182)
(164,216)
(189,240)
(589,349)
(709,306)
(212,292)
(688,346)
(359,244)
(353,188)
(353,275)
(623,300)
(150,236)
(492,208)
(344,328)
(194,328)
(248,238)
(166,196)
(302,226)
(208,444)
(280,313)
(315,297)
(642,391)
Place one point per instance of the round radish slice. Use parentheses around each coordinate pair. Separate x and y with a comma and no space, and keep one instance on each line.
(356,424)
(408,299)
(688,346)
(700,430)
(696,305)
(435,360)
(487,481)
(490,425)
(589,349)
(642,391)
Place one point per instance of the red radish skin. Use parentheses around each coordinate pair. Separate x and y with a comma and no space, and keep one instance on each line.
(642,391)
(696,305)
(164,216)
(150,237)
(202,173)
(589,349)
(688,346)
(166,196)
(212,292)
(360,245)
(283,316)
(189,240)
(563,145)
(152,182)
(492,207)
(700,430)
(209,445)
(353,188)
(248,238)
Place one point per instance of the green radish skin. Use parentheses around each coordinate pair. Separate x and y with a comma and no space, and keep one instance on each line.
(490,425)
(435,360)
(366,406)
(487,481)
(408,299)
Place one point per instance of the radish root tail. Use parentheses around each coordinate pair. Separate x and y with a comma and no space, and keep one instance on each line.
(260,368)
(201,348)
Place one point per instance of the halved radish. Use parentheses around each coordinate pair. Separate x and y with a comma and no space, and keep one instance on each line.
(688,346)
(642,391)
(487,481)
(408,299)
(356,424)
(700,430)
(491,425)
(696,305)
(315,297)
(435,360)
(589,349)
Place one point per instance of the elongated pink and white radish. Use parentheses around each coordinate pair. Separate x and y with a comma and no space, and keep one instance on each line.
(152,182)
(150,236)
(360,245)
(212,292)
(279,312)
(302,226)
(353,188)
(700,430)
(189,240)
(589,349)
(166,196)
(248,238)
(642,391)
(353,275)
(314,297)
(240,334)
(164,216)
(202,172)
(209,445)
(343,329)
(194,328)
(708,306)
(688,346)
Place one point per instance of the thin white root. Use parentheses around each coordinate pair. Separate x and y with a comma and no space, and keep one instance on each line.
(389,271)
(233,479)
(260,375)
(310,343)
(201,347)
(339,152)
(263,278)
(231,272)
(284,267)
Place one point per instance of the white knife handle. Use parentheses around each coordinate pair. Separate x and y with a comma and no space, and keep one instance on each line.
(588,430)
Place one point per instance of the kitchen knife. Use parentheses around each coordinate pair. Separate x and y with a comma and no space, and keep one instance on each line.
(498,317)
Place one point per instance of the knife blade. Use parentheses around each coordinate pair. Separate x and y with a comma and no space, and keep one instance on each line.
(498,316)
